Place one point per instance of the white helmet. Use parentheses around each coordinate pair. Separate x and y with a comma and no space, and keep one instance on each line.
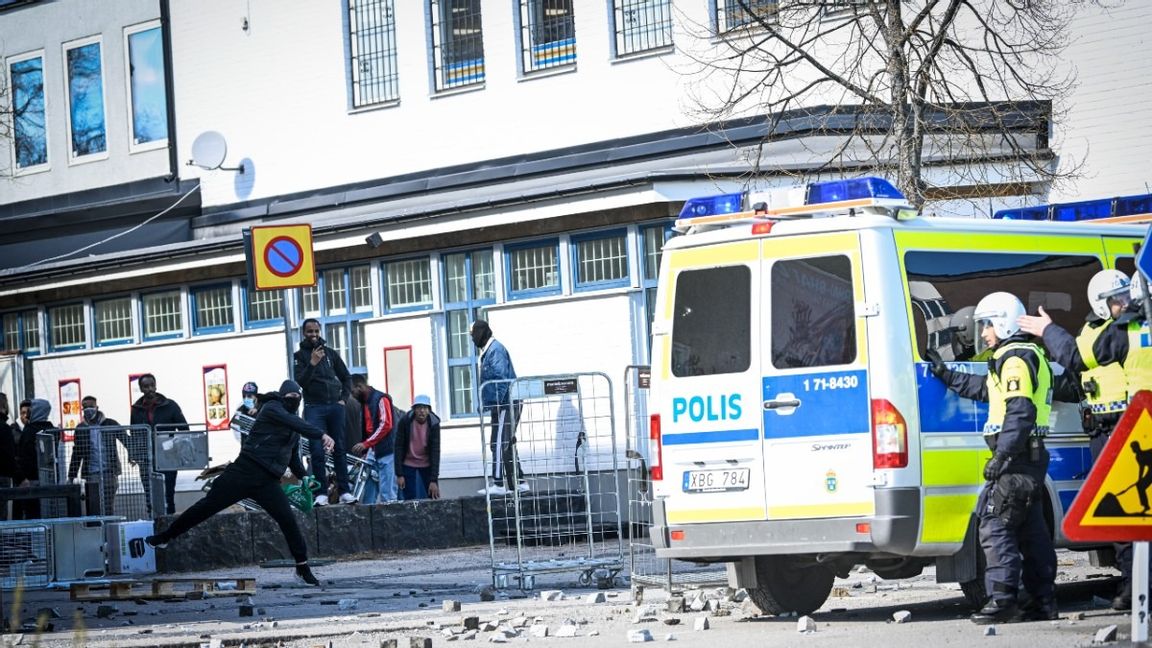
(1102,286)
(963,327)
(1135,290)
(1001,310)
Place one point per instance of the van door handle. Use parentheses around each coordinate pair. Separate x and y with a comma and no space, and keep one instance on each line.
(776,404)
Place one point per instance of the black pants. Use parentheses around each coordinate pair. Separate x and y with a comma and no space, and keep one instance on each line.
(244,478)
(502,442)
(1020,556)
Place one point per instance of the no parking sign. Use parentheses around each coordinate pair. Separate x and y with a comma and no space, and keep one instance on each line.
(280,256)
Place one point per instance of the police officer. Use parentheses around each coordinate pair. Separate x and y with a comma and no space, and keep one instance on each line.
(1097,352)
(1015,537)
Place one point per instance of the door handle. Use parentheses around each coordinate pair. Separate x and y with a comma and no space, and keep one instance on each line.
(776,404)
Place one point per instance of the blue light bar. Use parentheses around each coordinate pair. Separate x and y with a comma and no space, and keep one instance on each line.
(854,189)
(1133,205)
(713,205)
(1023,213)
(1081,211)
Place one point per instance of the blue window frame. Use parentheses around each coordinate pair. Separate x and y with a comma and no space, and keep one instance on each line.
(22,332)
(212,309)
(30,138)
(736,14)
(652,240)
(262,308)
(600,260)
(85,85)
(341,300)
(162,315)
(469,288)
(407,284)
(112,321)
(532,269)
(147,86)
(67,329)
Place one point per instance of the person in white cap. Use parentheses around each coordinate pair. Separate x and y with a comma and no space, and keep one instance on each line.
(418,452)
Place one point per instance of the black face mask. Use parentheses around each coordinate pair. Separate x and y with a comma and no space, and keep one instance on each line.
(291,403)
(91,414)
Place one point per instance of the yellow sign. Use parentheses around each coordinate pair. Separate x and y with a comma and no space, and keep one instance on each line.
(281,257)
(1115,502)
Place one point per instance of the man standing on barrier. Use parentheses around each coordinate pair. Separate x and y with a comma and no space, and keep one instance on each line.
(327,386)
(1013,533)
(256,474)
(153,409)
(496,375)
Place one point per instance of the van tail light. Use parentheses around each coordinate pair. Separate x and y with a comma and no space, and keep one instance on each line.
(889,436)
(655,449)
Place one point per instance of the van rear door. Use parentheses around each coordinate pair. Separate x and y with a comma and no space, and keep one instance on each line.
(814,387)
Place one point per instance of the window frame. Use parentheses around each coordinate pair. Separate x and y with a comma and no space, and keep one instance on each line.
(144,335)
(8,63)
(194,294)
(720,14)
(528,293)
(349,318)
(580,285)
(388,57)
(385,297)
(475,308)
(129,91)
(52,346)
(619,32)
(73,157)
(778,343)
(441,79)
(527,32)
(22,332)
(246,308)
(96,341)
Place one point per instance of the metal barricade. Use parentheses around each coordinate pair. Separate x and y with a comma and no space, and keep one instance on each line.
(26,559)
(114,465)
(646,569)
(561,509)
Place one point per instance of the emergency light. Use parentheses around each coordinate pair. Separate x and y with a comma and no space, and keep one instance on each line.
(1123,208)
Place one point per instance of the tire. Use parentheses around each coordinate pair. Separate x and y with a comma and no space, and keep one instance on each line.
(785,584)
(974,591)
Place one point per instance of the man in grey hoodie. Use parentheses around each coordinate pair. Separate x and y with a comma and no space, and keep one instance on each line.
(256,474)
(27,464)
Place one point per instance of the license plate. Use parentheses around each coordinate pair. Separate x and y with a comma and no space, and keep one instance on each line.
(711,481)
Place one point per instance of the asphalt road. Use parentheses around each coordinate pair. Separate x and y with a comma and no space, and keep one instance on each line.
(401,597)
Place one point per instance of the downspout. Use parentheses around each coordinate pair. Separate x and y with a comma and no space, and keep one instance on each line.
(169,92)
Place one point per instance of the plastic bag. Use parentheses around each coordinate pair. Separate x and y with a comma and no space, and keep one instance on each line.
(300,495)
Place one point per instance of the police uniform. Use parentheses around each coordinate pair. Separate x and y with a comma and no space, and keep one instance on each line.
(1013,533)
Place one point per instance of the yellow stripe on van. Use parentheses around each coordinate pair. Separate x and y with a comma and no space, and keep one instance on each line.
(996,242)
(722,254)
(840,509)
(715,515)
(953,467)
(946,517)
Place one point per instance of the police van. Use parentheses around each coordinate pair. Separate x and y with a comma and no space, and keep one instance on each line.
(795,430)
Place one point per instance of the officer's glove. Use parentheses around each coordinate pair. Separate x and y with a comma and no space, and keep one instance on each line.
(936,366)
(996,466)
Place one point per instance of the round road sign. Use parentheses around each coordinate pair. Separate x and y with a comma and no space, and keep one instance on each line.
(283,256)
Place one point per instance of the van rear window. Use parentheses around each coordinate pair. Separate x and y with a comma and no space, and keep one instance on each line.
(711,326)
(945,286)
(813,313)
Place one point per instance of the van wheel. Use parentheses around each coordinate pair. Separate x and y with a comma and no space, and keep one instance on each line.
(974,591)
(786,584)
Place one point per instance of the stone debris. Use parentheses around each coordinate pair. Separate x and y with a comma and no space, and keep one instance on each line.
(246,610)
(712,605)
(551,595)
(518,622)
(449,605)
(348,604)
(449,632)
(671,621)
(498,638)
(902,616)
(990,631)
(674,604)
(598,597)
(388,643)
(471,623)
(468,635)
(701,623)
(740,595)
(49,612)
(1076,616)
(538,630)
(670,637)
(1105,635)
(566,630)
(105,611)
(806,624)
(487,593)
(639,636)
(489,626)
(420,642)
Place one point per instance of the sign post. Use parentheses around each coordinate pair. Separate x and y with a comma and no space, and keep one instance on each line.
(280,257)
(1114,502)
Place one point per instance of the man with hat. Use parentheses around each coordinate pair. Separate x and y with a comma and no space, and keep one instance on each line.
(417,452)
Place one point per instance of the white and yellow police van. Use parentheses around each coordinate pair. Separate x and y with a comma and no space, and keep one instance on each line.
(795,430)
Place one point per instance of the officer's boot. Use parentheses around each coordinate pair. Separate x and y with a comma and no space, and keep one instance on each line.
(1123,599)
(1039,610)
(994,611)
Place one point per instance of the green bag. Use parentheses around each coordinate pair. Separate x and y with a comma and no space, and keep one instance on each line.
(300,495)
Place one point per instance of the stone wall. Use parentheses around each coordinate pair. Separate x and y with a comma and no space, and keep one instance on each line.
(233,539)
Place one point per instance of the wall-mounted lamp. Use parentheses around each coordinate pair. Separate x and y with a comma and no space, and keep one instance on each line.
(374,240)
(208,152)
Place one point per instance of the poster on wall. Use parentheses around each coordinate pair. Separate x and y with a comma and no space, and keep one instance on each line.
(69,406)
(134,393)
(216,396)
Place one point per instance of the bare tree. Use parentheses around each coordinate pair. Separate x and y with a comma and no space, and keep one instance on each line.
(950,79)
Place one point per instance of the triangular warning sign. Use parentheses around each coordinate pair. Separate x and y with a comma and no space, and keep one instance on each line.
(1115,502)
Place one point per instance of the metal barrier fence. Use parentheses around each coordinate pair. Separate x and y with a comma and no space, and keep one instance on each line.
(112,463)
(646,569)
(553,445)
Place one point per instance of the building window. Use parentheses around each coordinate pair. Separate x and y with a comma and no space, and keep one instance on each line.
(734,14)
(212,309)
(163,315)
(263,307)
(30,138)
(547,34)
(22,332)
(340,300)
(147,95)
(360,282)
(66,326)
(372,52)
(469,287)
(12,332)
(409,283)
(642,25)
(600,260)
(85,86)
(533,270)
(652,239)
(113,321)
(457,43)
(30,320)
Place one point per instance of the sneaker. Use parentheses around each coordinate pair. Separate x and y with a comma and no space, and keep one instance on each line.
(155,542)
(321,500)
(305,575)
(994,612)
(494,489)
(523,487)
(347,498)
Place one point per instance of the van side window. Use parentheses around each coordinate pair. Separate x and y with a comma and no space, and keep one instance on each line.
(712,323)
(813,312)
(944,287)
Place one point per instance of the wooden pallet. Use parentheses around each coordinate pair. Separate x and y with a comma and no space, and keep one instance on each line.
(162,588)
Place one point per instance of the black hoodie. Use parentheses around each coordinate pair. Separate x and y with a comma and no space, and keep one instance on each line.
(326,382)
(276,433)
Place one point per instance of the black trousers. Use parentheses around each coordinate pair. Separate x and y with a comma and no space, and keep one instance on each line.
(242,479)
(502,442)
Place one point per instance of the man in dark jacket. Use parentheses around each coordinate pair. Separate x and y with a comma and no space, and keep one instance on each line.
(326,385)
(8,468)
(96,453)
(153,409)
(28,466)
(418,452)
(256,474)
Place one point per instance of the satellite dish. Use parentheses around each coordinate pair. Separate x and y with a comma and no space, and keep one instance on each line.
(209,150)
